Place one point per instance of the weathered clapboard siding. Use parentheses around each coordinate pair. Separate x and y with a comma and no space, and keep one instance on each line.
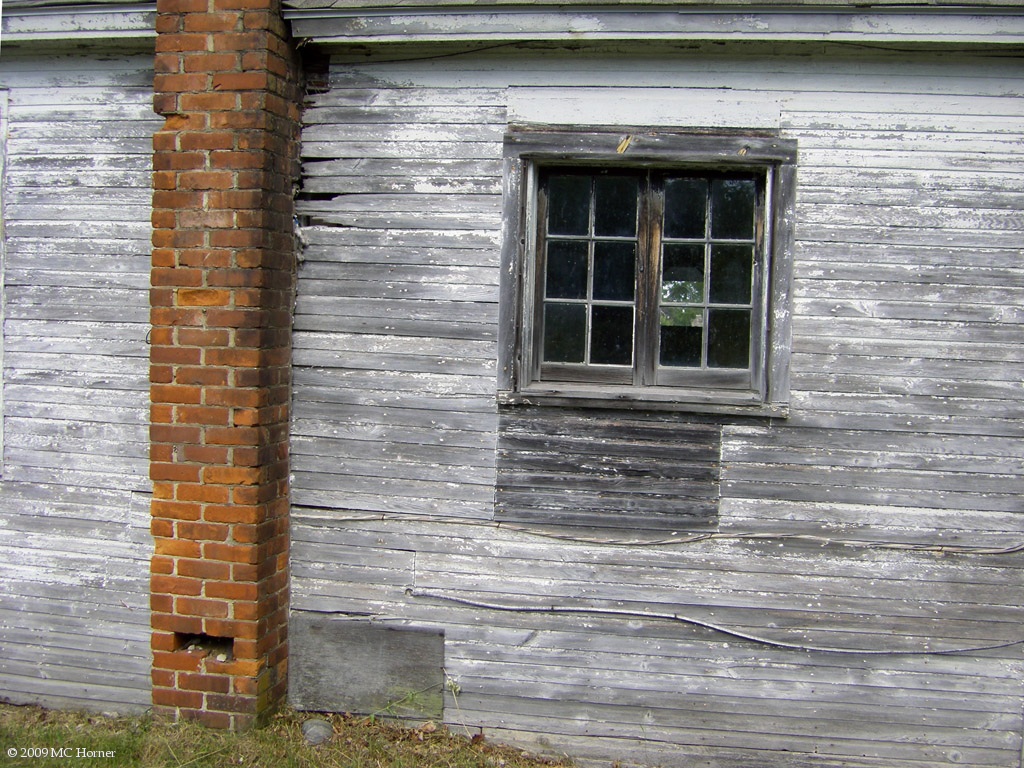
(394,345)
(804,630)
(74,493)
(603,469)
(659,681)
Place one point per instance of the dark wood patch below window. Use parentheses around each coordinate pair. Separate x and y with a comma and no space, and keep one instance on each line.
(607,469)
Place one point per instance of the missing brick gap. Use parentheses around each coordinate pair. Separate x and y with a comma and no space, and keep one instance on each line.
(217,648)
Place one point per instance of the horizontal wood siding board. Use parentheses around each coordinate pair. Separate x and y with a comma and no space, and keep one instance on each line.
(74,497)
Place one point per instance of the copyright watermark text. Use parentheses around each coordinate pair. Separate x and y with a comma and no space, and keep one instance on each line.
(29,753)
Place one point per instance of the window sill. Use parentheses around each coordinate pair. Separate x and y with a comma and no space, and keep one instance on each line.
(646,398)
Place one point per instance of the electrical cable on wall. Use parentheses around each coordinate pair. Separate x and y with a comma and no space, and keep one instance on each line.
(679,618)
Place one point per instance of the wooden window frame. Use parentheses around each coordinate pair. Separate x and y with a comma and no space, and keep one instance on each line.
(528,150)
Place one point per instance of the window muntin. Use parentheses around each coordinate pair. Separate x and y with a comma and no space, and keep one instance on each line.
(650,277)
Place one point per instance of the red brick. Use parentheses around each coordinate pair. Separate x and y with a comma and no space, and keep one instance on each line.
(174,43)
(175,355)
(201,531)
(182,6)
(177,548)
(202,414)
(180,83)
(174,433)
(176,698)
(206,219)
(161,414)
(187,473)
(175,585)
(161,603)
(188,606)
(207,494)
(205,454)
(231,475)
(220,720)
(161,564)
(233,513)
(207,102)
(212,22)
(240,81)
(199,375)
(175,393)
(204,682)
(232,436)
(205,569)
(206,179)
(228,703)
(231,591)
(206,257)
(203,297)
(235,553)
(206,141)
(176,624)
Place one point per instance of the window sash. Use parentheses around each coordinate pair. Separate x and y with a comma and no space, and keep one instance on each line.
(645,369)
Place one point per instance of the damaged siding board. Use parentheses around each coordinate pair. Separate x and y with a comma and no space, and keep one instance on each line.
(797,623)
(394,343)
(75,494)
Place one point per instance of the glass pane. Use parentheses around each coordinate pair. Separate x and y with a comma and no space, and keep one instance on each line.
(682,336)
(569,205)
(614,271)
(615,206)
(728,338)
(612,336)
(565,332)
(685,207)
(732,209)
(566,270)
(731,271)
(682,273)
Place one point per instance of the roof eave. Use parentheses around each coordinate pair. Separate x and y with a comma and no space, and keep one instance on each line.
(82,23)
(532,22)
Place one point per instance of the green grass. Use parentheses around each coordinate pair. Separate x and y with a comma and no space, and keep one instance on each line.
(54,739)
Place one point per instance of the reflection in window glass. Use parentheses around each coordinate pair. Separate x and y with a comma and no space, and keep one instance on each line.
(682,276)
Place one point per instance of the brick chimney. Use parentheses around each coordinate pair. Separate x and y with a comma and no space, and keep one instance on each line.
(227,83)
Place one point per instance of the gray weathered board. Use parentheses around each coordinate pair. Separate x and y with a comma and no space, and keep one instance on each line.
(74,488)
(822,627)
(344,665)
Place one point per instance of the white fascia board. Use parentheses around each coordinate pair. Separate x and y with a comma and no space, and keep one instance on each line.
(74,23)
(932,24)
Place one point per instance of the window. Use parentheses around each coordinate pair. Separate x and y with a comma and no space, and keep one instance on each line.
(648,269)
